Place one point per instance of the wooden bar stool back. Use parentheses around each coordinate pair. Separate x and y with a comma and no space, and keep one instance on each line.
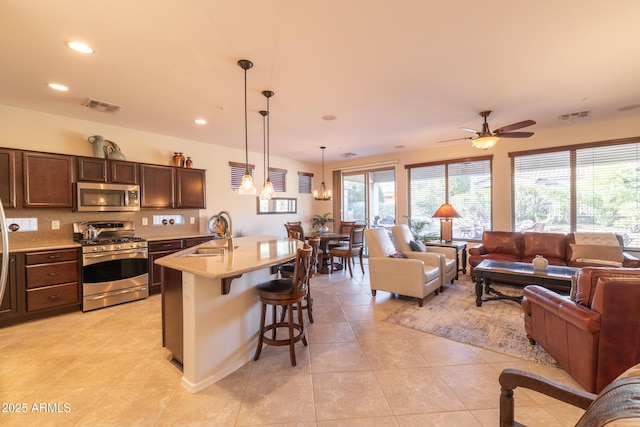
(286,293)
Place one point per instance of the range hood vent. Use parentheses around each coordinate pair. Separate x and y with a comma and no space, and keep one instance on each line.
(103,107)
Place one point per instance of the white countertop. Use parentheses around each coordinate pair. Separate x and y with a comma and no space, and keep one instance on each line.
(250,253)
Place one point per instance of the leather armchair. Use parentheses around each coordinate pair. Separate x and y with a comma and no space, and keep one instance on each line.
(402,237)
(416,276)
(594,333)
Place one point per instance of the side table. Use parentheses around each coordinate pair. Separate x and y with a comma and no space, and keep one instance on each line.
(461,252)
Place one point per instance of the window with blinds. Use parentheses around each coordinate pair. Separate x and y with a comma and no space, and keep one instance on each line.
(237,172)
(278,178)
(464,183)
(588,187)
(305,182)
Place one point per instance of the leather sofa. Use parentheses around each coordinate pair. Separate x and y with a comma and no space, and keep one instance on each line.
(557,248)
(594,333)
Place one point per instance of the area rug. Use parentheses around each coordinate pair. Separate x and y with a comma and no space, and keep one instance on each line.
(497,325)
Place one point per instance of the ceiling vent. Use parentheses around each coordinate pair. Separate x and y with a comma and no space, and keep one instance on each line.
(103,107)
(347,155)
(572,116)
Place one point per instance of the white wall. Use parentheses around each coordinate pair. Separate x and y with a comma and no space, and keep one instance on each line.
(32,130)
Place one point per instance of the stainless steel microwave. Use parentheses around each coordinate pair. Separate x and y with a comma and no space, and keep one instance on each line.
(99,197)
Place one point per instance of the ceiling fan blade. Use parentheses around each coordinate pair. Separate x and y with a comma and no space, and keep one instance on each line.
(514,126)
(455,139)
(516,134)
(469,130)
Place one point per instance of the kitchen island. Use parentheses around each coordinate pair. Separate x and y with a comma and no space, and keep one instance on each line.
(211,308)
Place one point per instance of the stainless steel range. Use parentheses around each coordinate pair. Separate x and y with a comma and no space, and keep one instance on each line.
(114,263)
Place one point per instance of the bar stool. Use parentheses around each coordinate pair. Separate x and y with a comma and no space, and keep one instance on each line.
(286,293)
(286,270)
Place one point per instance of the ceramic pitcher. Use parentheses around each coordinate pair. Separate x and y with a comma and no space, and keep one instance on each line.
(98,145)
(113,151)
(540,263)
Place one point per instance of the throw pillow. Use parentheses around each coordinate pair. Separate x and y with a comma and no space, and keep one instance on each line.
(596,252)
(398,254)
(417,246)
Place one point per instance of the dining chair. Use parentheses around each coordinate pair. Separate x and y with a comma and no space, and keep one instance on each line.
(353,249)
(344,228)
(295,226)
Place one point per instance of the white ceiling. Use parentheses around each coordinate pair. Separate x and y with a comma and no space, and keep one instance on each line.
(393,72)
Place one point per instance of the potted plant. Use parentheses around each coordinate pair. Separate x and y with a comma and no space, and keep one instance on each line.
(321,221)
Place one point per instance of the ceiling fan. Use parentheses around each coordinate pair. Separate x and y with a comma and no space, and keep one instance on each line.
(485,139)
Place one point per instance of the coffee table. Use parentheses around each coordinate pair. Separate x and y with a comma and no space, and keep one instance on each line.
(519,273)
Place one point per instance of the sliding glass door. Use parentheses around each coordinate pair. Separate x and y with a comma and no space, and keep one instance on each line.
(369,197)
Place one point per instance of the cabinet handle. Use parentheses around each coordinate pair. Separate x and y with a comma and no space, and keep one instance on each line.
(53,256)
(53,273)
(54,297)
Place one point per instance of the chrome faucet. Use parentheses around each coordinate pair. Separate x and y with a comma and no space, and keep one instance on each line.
(229,233)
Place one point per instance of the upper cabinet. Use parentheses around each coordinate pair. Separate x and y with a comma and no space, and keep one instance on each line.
(157,185)
(171,187)
(190,187)
(103,170)
(8,178)
(47,180)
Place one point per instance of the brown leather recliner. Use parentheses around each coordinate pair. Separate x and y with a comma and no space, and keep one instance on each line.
(594,333)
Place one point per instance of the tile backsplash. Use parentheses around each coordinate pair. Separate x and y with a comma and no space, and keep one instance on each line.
(24,224)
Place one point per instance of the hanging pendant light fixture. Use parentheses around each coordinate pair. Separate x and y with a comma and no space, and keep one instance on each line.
(246,187)
(323,193)
(267,189)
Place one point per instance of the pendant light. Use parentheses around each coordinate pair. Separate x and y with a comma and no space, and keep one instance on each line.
(323,194)
(246,187)
(267,190)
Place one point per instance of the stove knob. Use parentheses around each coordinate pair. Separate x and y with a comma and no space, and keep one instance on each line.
(134,245)
(118,247)
(104,248)
(95,249)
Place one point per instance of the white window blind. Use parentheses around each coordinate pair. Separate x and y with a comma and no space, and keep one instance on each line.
(305,182)
(464,183)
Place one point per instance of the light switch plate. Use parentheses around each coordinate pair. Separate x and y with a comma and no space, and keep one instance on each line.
(55,224)
(192,220)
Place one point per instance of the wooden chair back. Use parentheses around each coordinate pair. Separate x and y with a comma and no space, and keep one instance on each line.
(301,272)
(314,242)
(356,239)
(295,226)
(346,226)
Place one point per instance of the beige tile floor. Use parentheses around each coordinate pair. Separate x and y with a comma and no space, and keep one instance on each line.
(108,367)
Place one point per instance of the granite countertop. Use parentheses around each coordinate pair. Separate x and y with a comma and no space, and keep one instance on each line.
(250,253)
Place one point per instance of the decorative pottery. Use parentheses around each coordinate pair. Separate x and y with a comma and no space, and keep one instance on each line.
(188,163)
(176,159)
(98,146)
(113,151)
(323,229)
(540,263)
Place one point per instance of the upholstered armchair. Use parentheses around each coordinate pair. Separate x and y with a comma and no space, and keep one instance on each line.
(594,333)
(416,276)
(403,241)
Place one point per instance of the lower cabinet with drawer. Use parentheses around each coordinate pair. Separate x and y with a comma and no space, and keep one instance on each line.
(52,279)
(158,249)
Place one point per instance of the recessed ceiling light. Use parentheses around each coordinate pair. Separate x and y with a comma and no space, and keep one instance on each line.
(200,121)
(80,47)
(59,87)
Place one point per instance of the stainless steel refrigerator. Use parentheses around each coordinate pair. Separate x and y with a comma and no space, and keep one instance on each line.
(5,252)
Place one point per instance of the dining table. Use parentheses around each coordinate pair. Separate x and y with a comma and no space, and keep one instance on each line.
(325,239)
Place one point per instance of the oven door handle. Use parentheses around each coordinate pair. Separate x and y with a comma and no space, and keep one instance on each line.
(125,252)
(124,291)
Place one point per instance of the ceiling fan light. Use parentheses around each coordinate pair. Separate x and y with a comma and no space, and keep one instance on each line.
(485,142)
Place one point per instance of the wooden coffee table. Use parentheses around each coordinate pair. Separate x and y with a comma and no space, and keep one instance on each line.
(519,274)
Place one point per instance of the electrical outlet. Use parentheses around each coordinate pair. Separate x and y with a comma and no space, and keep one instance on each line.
(192,220)
(145,221)
(55,224)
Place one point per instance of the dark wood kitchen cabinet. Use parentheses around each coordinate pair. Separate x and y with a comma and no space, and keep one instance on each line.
(110,171)
(157,186)
(158,249)
(9,304)
(8,178)
(190,187)
(47,180)
(52,279)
